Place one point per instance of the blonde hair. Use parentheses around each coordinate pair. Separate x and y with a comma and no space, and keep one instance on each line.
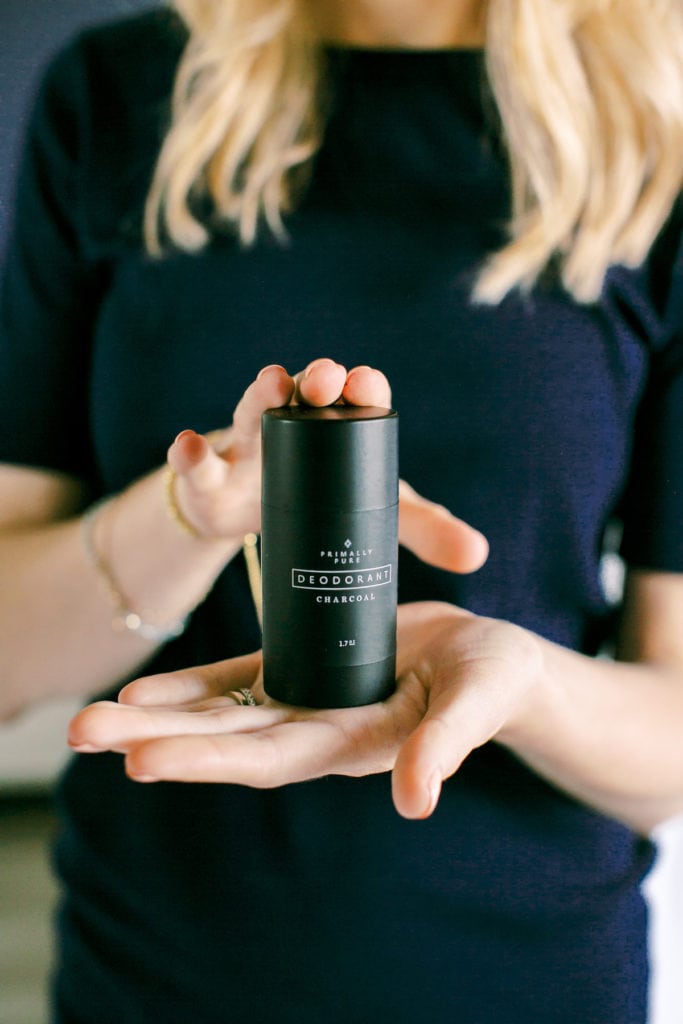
(590,98)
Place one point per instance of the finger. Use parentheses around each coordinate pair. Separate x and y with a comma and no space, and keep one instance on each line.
(187,451)
(321,383)
(420,771)
(118,727)
(436,536)
(289,752)
(197,465)
(468,714)
(200,467)
(196,684)
(366,386)
(272,389)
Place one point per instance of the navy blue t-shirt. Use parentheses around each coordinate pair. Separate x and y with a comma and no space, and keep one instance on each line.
(540,421)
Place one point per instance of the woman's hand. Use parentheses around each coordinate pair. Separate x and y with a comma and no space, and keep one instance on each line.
(461,680)
(217,484)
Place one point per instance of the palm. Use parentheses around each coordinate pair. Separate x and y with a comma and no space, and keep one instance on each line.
(459,679)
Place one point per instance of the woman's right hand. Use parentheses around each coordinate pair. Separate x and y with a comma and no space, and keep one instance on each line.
(217,483)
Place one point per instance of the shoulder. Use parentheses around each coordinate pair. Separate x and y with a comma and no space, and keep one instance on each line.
(140,50)
(128,61)
(101,114)
(650,296)
(666,270)
(134,33)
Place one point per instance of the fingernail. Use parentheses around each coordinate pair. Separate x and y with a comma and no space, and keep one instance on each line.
(324,360)
(85,748)
(184,433)
(356,369)
(434,790)
(266,369)
(141,778)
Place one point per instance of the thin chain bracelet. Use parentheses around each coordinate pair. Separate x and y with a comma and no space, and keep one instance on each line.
(124,619)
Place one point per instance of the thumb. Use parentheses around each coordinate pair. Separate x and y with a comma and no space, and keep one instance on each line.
(436,536)
(455,723)
(196,462)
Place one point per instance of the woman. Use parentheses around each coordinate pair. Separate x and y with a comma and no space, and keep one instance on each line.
(483,203)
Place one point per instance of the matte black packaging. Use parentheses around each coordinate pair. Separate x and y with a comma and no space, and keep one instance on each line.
(329,554)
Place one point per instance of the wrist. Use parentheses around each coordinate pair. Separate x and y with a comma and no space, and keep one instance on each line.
(124,617)
(173,510)
(208,516)
(530,713)
(152,573)
(176,512)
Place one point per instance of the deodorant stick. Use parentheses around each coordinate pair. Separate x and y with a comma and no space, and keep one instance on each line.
(329,549)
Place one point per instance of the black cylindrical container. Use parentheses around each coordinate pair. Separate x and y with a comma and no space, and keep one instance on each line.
(329,554)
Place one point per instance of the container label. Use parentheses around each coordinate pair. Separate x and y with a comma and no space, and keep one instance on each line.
(355,579)
(329,587)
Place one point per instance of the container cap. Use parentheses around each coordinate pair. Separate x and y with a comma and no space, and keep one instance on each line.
(339,457)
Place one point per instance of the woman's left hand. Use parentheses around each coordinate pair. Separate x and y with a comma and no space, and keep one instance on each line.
(461,680)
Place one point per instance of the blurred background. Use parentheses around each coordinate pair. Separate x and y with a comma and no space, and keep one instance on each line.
(32,748)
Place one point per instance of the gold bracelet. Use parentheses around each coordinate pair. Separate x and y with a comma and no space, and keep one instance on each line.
(249,545)
(124,618)
(172,508)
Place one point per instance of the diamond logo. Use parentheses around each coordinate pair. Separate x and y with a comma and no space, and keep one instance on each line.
(348,543)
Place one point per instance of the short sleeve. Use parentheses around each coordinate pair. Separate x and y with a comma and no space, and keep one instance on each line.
(49,291)
(653,505)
